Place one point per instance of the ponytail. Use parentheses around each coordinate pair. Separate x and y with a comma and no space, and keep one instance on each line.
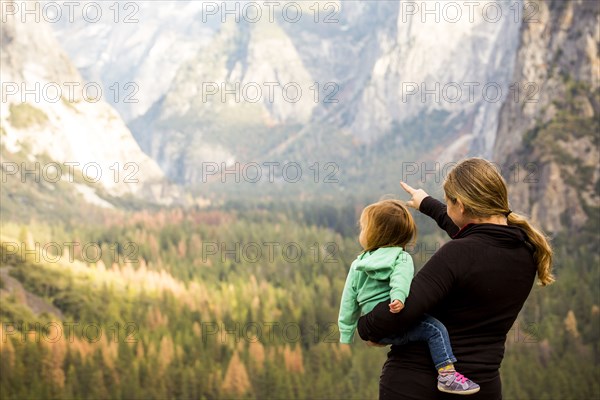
(482,190)
(542,250)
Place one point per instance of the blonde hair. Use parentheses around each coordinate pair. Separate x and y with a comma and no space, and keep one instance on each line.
(387,223)
(477,183)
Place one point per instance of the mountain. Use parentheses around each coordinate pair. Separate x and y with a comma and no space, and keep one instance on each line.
(59,126)
(362,78)
(135,43)
(547,139)
(379,88)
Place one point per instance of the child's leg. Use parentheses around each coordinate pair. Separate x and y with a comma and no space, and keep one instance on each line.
(435,334)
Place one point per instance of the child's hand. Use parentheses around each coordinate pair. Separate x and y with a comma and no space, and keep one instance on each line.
(396,306)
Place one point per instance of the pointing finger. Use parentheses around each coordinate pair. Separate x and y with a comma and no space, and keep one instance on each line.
(409,189)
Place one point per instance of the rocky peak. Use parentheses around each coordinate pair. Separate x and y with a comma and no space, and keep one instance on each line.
(551,131)
(49,111)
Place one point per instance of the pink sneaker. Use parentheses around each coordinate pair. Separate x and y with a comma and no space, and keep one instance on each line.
(456,383)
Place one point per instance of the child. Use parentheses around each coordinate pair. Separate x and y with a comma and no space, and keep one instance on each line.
(383,271)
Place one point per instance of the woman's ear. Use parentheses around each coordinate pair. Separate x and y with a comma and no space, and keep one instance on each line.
(461,206)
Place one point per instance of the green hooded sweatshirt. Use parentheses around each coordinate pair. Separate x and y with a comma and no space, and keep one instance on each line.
(374,277)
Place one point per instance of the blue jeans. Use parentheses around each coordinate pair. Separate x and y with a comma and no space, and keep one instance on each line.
(435,334)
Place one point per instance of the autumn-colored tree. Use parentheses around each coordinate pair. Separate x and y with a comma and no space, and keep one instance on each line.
(167,352)
(236,382)
(257,354)
(571,324)
(293,359)
(182,248)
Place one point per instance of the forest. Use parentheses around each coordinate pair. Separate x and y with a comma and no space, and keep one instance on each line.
(241,302)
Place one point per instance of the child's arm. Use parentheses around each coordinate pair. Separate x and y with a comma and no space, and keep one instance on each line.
(400,279)
(349,310)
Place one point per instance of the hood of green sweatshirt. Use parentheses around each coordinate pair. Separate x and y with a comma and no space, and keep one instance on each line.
(379,264)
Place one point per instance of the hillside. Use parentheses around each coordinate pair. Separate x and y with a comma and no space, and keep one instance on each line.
(552,135)
(59,132)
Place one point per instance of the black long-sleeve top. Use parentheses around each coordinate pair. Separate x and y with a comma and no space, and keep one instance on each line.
(475,285)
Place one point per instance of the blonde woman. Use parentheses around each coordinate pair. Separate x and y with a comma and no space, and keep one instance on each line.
(476,284)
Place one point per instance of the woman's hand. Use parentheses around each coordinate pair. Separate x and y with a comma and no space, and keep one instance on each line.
(396,306)
(417,195)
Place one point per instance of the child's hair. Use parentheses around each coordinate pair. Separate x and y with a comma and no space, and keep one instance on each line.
(478,184)
(387,223)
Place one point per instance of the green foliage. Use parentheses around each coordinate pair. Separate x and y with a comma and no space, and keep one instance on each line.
(25,115)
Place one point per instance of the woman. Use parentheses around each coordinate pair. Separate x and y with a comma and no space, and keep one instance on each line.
(475,285)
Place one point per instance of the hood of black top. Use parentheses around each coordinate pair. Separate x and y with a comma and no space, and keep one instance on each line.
(501,235)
